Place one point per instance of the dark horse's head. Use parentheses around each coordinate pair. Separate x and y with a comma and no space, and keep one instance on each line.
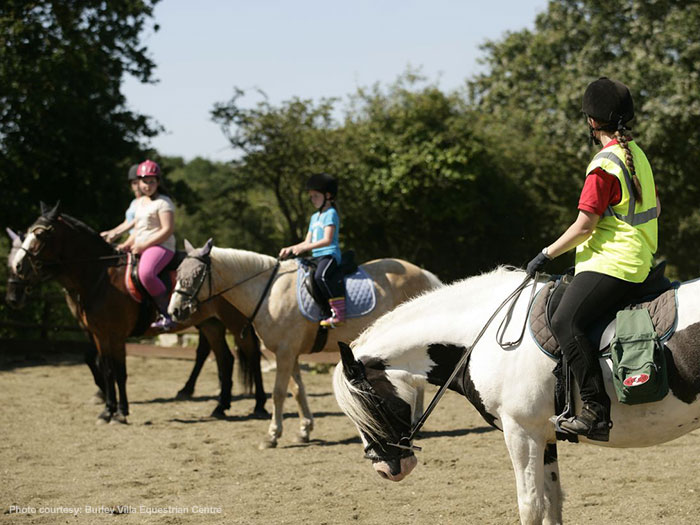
(368,397)
(54,242)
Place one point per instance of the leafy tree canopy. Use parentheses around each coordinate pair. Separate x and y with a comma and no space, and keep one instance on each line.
(529,99)
(415,182)
(65,131)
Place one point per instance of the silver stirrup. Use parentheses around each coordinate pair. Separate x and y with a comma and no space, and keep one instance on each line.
(557,423)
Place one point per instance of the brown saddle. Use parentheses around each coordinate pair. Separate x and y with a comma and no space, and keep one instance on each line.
(657,294)
(139,294)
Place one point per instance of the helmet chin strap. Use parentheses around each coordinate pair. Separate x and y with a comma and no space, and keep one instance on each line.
(325,199)
(592,139)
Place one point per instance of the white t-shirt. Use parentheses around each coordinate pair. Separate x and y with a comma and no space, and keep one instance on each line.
(147,219)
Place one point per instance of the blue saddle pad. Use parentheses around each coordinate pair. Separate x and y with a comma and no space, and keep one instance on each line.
(360,298)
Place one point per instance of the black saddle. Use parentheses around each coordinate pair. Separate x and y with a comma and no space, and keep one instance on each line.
(651,295)
(348,266)
(653,286)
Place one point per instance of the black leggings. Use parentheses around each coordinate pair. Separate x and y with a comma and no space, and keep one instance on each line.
(589,296)
(328,277)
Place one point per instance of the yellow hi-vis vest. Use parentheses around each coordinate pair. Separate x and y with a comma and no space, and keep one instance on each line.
(625,239)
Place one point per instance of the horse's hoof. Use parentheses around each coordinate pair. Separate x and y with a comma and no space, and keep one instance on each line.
(98,398)
(260,414)
(218,413)
(184,394)
(118,419)
(104,417)
(268,443)
(301,438)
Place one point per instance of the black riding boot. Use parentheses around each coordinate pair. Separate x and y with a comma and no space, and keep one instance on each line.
(593,423)
(594,420)
(164,323)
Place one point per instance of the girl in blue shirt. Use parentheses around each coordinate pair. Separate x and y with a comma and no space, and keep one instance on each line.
(322,240)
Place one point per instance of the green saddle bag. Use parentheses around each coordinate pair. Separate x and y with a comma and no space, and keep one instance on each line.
(639,365)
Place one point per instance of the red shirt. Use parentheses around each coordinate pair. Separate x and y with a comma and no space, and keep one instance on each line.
(600,190)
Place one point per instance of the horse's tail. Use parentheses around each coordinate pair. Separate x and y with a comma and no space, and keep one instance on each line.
(433,279)
(249,356)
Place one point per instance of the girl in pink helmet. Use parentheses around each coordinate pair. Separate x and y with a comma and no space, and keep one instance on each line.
(152,237)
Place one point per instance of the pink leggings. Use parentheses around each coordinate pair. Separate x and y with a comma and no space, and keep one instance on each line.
(152,262)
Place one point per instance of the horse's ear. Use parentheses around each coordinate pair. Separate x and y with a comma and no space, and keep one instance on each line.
(54,211)
(206,249)
(12,234)
(352,368)
(43,207)
(188,247)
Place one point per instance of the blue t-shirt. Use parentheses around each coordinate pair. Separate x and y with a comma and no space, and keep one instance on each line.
(317,224)
(131,213)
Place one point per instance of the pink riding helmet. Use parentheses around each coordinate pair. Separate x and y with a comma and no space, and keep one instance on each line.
(148,168)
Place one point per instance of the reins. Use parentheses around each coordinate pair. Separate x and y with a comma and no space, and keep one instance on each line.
(268,285)
(207,273)
(406,442)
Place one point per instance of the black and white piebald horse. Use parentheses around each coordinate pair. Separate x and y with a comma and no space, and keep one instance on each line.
(422,340)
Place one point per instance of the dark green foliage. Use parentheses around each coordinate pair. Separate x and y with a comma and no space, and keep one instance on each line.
(281,147)
(530,99)
(415,182)
(65,132)
(219,203)
(422,187)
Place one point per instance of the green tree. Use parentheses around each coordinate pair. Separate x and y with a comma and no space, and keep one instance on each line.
(280,147)
(65,132)
(414,181)
(529,99)
(421,185)
(221,204)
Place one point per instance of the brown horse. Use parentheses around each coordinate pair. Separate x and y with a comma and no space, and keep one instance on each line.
(16,294)
(60,247)
(242,277)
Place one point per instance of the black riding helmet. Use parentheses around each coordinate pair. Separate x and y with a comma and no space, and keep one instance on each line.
(323,183)
(132,172)
(609,102)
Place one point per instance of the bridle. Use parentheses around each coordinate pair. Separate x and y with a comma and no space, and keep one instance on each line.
(40,230)
(192,302)
(404,440)
(400,441)
(35,262)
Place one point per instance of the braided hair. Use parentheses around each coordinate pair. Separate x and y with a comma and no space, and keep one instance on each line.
(623,137)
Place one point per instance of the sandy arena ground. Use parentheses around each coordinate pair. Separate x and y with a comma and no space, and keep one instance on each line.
(172,464)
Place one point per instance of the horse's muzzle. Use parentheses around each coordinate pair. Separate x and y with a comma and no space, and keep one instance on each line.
(181,312)
(395,469)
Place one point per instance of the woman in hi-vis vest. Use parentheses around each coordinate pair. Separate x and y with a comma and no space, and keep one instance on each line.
(615,236)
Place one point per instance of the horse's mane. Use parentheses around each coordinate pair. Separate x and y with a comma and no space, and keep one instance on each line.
(415,319)
(81,227)
(410,324)
(237,262)
(355,404)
